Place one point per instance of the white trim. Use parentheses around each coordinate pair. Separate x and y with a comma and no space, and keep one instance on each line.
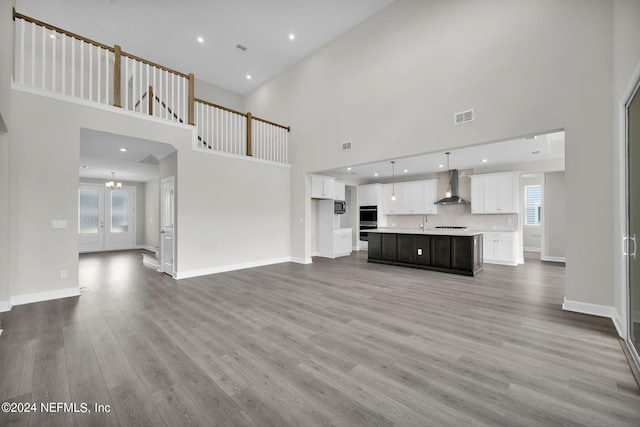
(148,248)
(45,296)
(236,156)
(5,306)
(232,267)
(511,264)
(594,310)
(528,249)
(151,262)
(97,105)
(302,260)
(553,258)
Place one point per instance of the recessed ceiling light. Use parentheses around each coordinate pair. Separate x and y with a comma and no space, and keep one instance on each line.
(375,174)
(248,76)
(440,166)
(348,169)
(484,160)
(200,40)
(406,170)
(292,36)
(84,167)
(123,149)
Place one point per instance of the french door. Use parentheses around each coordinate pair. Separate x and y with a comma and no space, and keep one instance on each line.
(633,219)
(106,218)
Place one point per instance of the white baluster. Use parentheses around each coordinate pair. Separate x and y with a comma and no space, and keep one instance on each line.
(82,69)
(73,66)
(90,72)
(107,55)
(99,79)
(33,55)
(64,64)
(44,50)
(53,61)
(22,51)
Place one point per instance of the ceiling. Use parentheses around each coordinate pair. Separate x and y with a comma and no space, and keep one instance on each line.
(521,150)
(100,155)
(166,31)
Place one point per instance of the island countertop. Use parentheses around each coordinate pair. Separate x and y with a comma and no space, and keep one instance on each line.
(429,231)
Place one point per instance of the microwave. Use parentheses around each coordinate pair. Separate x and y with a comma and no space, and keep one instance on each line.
(339,207)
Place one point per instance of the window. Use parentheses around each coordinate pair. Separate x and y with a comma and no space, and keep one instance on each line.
(532,204)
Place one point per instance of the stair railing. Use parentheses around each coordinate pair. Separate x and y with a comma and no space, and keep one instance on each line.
(56,60)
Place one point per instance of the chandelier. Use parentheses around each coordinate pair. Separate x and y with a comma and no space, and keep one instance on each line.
(113,185)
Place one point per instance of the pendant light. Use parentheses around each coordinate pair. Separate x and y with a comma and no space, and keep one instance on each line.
(393,180)
(113,185)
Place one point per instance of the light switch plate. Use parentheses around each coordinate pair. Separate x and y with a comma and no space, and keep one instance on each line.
(59,223)
(419,251)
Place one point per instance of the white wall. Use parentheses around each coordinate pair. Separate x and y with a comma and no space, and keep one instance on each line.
(525,66)
(555,210)
(231,212)
(152,213)
(217,95)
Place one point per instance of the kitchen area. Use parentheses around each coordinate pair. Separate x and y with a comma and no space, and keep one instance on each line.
(451,220)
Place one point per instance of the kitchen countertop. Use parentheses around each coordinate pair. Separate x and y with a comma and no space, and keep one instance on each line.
(431,231)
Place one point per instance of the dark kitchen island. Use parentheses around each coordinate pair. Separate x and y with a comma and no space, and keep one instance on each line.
(448,251)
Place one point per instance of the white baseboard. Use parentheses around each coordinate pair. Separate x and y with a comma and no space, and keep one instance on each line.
(232,267)
(152,262)
(148,248)
(45,296)
(553,258)
(302,260)
(4,306)
(526,249)
(511,264)
(595,310)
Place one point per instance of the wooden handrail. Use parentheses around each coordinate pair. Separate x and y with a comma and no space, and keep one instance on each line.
(117,74)
(288,128)
(153,64)
(59,30)
(211,104)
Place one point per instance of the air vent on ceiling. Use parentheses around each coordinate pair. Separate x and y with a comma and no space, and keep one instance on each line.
(347,145)
(530,138)
(463,117)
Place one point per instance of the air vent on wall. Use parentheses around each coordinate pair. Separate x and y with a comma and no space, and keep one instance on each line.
(463,117)
(346,145)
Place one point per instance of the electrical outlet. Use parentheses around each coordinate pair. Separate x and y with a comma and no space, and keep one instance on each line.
(420,252)
(63,274)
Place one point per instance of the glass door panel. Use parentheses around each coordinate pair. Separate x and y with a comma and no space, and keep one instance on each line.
(90,218)
(119,212)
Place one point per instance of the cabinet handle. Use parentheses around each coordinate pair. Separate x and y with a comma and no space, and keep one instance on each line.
(628,252)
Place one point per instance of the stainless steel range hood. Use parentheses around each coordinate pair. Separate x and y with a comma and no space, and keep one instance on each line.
(452,197)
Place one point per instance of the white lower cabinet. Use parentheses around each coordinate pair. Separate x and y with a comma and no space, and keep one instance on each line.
(500,247)
(342,245)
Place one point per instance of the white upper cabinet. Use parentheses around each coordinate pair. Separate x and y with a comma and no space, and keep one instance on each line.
(494,193)
(369,195)
(322,187)
(339,190)
(392,207)
(412,198)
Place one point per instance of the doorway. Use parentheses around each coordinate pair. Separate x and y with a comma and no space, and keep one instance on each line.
(633,220)
(106,218)
(167,212)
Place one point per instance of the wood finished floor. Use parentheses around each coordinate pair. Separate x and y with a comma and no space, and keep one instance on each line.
(340,342)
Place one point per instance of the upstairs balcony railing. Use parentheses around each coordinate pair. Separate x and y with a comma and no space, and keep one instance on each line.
(56,60)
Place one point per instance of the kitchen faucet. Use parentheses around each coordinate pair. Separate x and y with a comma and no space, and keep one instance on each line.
(424,222)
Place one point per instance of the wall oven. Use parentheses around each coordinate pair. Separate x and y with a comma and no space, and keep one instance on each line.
(368,221)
